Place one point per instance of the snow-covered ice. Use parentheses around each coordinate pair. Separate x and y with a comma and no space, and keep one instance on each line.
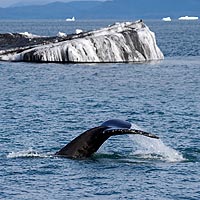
(188,18)
(167,19)
(120,42)
(70,19)
(29,35)
(61,34)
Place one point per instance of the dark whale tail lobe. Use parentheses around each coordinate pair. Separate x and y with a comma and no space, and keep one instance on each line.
(90,141)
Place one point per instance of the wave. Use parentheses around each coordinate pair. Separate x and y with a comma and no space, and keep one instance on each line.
(30,153)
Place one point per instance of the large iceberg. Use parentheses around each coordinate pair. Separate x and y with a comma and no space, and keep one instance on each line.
(120,42)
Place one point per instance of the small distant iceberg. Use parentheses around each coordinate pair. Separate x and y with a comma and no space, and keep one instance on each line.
(78,31)
(167,19)
(61,34)
(188,18)
(70,19)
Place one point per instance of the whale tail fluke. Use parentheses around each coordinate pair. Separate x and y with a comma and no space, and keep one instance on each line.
(90,141)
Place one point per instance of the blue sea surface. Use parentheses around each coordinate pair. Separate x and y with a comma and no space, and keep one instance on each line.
(44,106)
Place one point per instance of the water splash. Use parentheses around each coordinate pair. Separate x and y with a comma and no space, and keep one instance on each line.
(30,153)
(149,148)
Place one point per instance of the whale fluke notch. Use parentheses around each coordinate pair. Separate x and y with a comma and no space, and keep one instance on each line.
(90,141)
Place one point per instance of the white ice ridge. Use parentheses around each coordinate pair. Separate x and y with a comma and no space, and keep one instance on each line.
(121,42)
(29,35)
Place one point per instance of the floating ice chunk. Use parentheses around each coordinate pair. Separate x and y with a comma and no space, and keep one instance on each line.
(70,19)
(60,34)
(188,18)
(78,31)
(167,19)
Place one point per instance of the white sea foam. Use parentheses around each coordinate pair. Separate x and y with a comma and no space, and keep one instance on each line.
(154,148)
(26,154)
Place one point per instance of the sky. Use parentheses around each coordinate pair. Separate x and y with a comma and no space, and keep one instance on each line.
(7,3)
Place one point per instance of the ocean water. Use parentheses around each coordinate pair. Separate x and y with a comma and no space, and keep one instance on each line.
(44,106)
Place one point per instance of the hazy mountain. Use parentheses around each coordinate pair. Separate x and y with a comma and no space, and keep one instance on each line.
(37,2)
(56,10)
(116,9)
(147,8)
